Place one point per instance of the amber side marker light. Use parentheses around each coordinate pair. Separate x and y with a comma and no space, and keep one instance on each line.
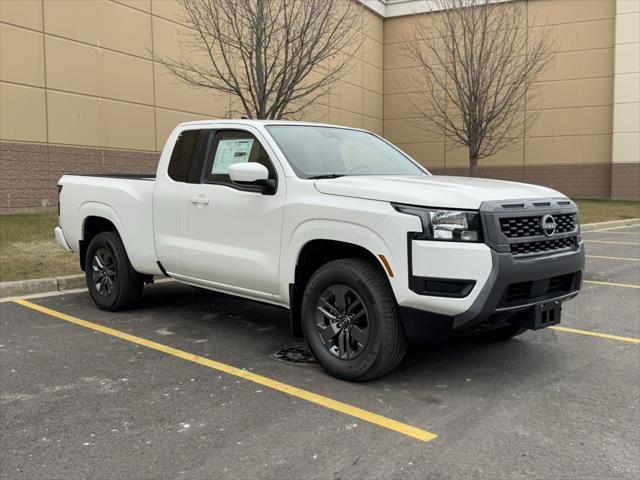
(384,261)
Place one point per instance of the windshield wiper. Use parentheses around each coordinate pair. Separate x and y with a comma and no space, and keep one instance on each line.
(328,175)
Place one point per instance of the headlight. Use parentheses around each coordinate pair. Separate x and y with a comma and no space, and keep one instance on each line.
(452,225)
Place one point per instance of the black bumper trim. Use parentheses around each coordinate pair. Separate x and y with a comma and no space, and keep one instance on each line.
(561,298)
(507,270)
(441,287)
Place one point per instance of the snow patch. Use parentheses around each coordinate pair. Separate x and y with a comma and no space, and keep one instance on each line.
(164,332)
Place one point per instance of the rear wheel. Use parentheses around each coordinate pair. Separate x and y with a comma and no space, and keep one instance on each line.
(113,283)
(351,321)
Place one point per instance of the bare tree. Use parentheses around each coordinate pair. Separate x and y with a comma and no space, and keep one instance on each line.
(478,59)
(277,57)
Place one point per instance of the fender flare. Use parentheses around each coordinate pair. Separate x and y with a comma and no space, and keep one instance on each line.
(99,210)
(332,230)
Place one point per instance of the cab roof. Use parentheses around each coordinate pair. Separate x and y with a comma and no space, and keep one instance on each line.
(260,123)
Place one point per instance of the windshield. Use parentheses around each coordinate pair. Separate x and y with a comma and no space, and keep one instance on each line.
(316,152)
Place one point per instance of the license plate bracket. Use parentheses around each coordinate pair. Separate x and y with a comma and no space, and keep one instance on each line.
(541,315)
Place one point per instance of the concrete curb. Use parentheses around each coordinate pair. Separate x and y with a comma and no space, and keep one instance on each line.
(60,284)
(41,285)
(611,224)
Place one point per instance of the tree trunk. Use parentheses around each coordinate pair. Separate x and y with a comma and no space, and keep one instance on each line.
(473,165)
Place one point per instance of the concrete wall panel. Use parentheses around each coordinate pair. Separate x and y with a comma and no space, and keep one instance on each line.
(22,13)
(72,66)
(22,116)
(73,119)
(124,125)
(21,56)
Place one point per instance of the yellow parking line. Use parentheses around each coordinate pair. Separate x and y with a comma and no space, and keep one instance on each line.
(596,334)
(610,241)
(321,400)
(615,258)
(611,284)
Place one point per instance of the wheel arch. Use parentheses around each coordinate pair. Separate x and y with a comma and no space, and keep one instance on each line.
(311,256)
(92,225)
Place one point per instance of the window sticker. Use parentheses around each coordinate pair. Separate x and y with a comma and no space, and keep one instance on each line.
(230,152)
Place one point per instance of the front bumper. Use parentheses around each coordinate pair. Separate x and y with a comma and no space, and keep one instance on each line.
(517,271)
(513,287)
(518,284)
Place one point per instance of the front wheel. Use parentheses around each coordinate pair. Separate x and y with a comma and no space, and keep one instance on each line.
(113,283)
(351,321)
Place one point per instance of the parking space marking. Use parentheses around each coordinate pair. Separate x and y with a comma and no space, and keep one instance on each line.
(611,284)
(42,295)
(611,241)
(64,292)
(613,233)
(612,228)
(626,259)
(596,334)
(321,400)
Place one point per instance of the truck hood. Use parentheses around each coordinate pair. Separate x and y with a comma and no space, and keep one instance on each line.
(431,190)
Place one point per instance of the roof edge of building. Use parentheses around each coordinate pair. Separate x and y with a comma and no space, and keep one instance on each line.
(399,8)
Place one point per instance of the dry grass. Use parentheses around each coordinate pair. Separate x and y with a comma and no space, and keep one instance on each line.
(28,248)
(592,211)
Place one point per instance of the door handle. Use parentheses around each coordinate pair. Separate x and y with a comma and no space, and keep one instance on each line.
(199,200)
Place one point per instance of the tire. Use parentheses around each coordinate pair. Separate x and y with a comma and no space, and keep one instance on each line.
(502,334)
(348,343)
(113,283)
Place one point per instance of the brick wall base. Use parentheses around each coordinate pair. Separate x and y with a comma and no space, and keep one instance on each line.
(29,173)
(625,181)
(578,181)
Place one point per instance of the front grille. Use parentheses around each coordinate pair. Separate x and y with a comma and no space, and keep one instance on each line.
(516,226)
(565,223)
(520,227)
(543,246)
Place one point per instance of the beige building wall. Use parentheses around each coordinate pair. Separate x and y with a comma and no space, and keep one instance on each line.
(79,91)
(570,146)
(356,100)
(625,182)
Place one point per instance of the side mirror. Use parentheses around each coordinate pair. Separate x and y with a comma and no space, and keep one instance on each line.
(251,173)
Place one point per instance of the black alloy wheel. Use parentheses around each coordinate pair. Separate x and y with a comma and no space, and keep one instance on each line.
(103,271)
(342,322)
(351,321)
(112,281)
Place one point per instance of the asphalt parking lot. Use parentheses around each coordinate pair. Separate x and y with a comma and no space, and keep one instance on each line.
(140,394)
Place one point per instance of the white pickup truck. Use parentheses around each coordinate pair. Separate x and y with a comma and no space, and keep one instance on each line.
(362,244)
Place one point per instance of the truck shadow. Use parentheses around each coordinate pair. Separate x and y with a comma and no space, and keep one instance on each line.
(428,363)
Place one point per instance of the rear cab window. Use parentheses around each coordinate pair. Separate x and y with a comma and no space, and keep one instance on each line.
(186,160)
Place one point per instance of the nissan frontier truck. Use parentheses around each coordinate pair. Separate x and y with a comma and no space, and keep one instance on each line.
(357,240)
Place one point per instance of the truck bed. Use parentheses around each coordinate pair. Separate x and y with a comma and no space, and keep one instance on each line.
(125,200)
